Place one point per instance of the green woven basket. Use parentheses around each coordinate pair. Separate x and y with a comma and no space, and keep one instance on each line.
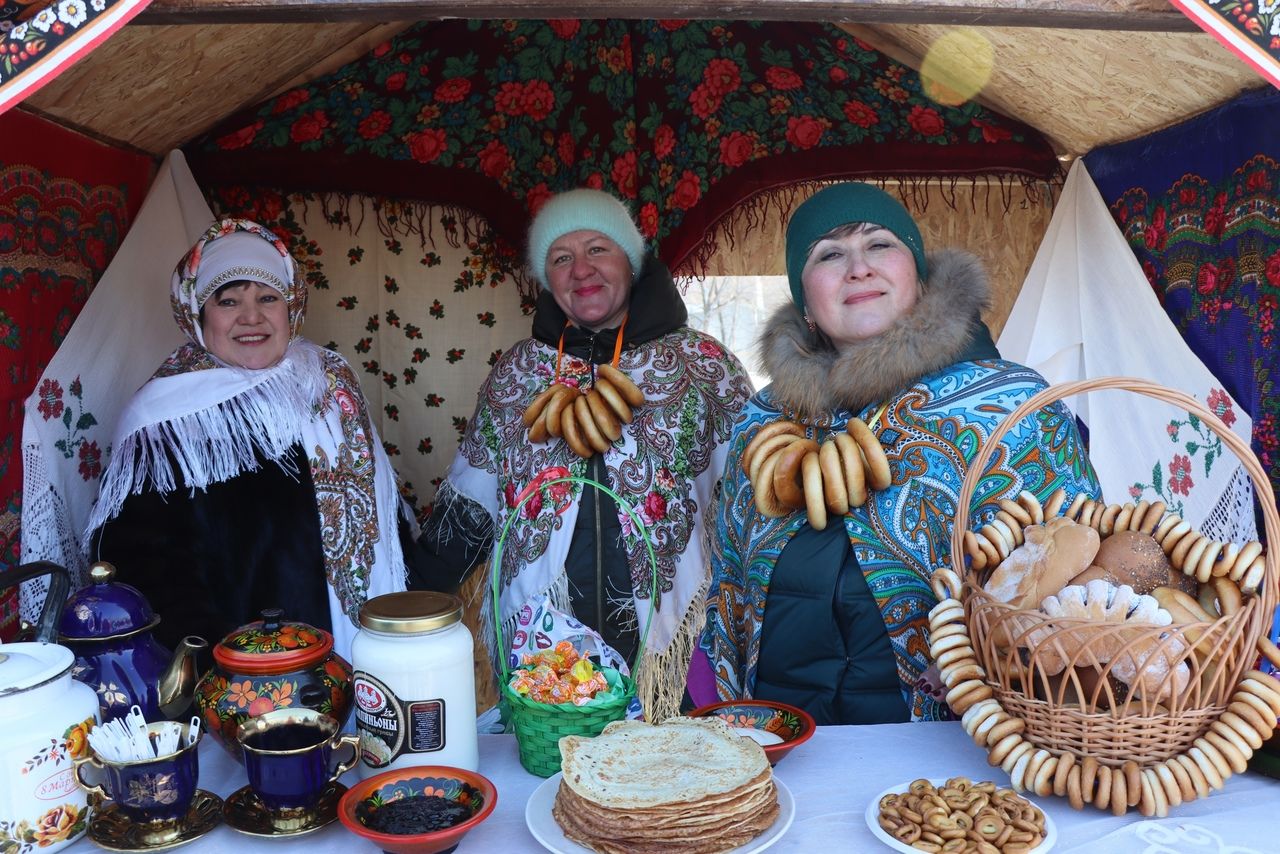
(539,726)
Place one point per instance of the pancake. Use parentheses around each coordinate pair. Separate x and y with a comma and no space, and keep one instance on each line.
(689,785)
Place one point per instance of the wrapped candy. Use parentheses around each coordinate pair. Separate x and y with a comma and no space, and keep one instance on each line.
(558,676)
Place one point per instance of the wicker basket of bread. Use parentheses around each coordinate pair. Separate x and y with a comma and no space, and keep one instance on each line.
(1106,653)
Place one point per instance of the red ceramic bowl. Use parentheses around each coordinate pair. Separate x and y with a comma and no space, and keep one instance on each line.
(794,726)
(456,784)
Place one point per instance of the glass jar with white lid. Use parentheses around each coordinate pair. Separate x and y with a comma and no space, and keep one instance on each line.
(414,683)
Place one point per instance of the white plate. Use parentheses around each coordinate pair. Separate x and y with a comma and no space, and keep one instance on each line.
(545,829)
(873,816)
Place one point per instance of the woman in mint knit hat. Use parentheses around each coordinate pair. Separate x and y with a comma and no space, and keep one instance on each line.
(605,301)
(833,617)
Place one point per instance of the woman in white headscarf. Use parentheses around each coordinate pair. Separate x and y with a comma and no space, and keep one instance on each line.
(246,474)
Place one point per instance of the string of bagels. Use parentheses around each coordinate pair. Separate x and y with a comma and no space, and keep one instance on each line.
(589,421)
(790,471)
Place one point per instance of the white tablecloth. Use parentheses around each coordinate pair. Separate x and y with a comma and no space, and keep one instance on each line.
(832,777)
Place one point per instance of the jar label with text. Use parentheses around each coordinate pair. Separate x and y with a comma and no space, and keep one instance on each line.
(389,726)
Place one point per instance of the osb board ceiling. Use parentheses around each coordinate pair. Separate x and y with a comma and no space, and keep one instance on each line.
(156,87)
(1085,88)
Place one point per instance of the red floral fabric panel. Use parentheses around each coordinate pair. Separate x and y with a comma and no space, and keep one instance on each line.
(65,205)
(685,119)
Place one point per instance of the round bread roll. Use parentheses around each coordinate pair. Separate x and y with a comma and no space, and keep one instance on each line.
(878,473)
(855,478)
(1066,761)
(1051,555)
(766,499)
(534,409)
(1136,559)
(786,475)
(623,383)
(614,398)
(571,430)
(1017,511)
(587,424)
(538,430)
(768,448)
(603,415)
(768,432)
(1033,507)
(977,557)
(1102,795)
(814,497)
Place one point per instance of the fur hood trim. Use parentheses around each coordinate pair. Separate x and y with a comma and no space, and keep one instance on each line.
(811,378)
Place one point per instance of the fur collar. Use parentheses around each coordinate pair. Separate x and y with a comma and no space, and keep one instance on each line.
(811,379)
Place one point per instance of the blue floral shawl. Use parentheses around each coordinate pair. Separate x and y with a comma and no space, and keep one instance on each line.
(930,432)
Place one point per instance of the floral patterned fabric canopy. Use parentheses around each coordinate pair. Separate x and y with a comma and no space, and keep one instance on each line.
(684,119)
(1249,30)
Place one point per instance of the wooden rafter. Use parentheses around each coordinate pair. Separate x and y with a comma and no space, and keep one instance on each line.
(1137,15)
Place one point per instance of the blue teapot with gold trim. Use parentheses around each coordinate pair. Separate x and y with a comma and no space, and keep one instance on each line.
(108,625)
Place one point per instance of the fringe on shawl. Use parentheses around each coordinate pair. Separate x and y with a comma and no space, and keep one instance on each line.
(218,442)
(454,514)
(661,677)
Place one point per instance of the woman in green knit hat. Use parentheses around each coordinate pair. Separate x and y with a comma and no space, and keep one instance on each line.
(824,604)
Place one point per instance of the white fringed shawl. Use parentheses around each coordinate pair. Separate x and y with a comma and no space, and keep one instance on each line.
(199,422)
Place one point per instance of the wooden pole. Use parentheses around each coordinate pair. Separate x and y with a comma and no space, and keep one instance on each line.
(1136,15)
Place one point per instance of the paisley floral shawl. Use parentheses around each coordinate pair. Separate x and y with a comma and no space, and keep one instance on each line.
(930,433)
(665,466)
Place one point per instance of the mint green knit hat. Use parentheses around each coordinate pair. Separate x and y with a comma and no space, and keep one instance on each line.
(839,205)
(580,209)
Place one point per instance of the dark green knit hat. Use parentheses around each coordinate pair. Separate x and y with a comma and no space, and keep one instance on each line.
(842,204)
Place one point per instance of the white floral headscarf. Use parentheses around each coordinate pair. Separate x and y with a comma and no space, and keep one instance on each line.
(189,289)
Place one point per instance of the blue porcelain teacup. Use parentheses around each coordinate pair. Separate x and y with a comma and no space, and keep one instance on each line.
(155,793)
(288,756)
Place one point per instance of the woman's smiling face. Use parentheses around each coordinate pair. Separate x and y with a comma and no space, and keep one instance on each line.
(858,281)
(246,324)
(590,277)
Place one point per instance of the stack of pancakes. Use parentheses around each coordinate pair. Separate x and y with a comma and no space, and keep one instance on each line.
(689,785)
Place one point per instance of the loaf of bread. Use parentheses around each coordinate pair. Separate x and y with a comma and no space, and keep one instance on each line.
(1152,665)
(1050,556)
(1135,559)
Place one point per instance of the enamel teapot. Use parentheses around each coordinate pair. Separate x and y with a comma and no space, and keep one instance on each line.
(108,625)
(46,719)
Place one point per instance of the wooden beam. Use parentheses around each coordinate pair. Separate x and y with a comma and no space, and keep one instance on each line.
(1136,15)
